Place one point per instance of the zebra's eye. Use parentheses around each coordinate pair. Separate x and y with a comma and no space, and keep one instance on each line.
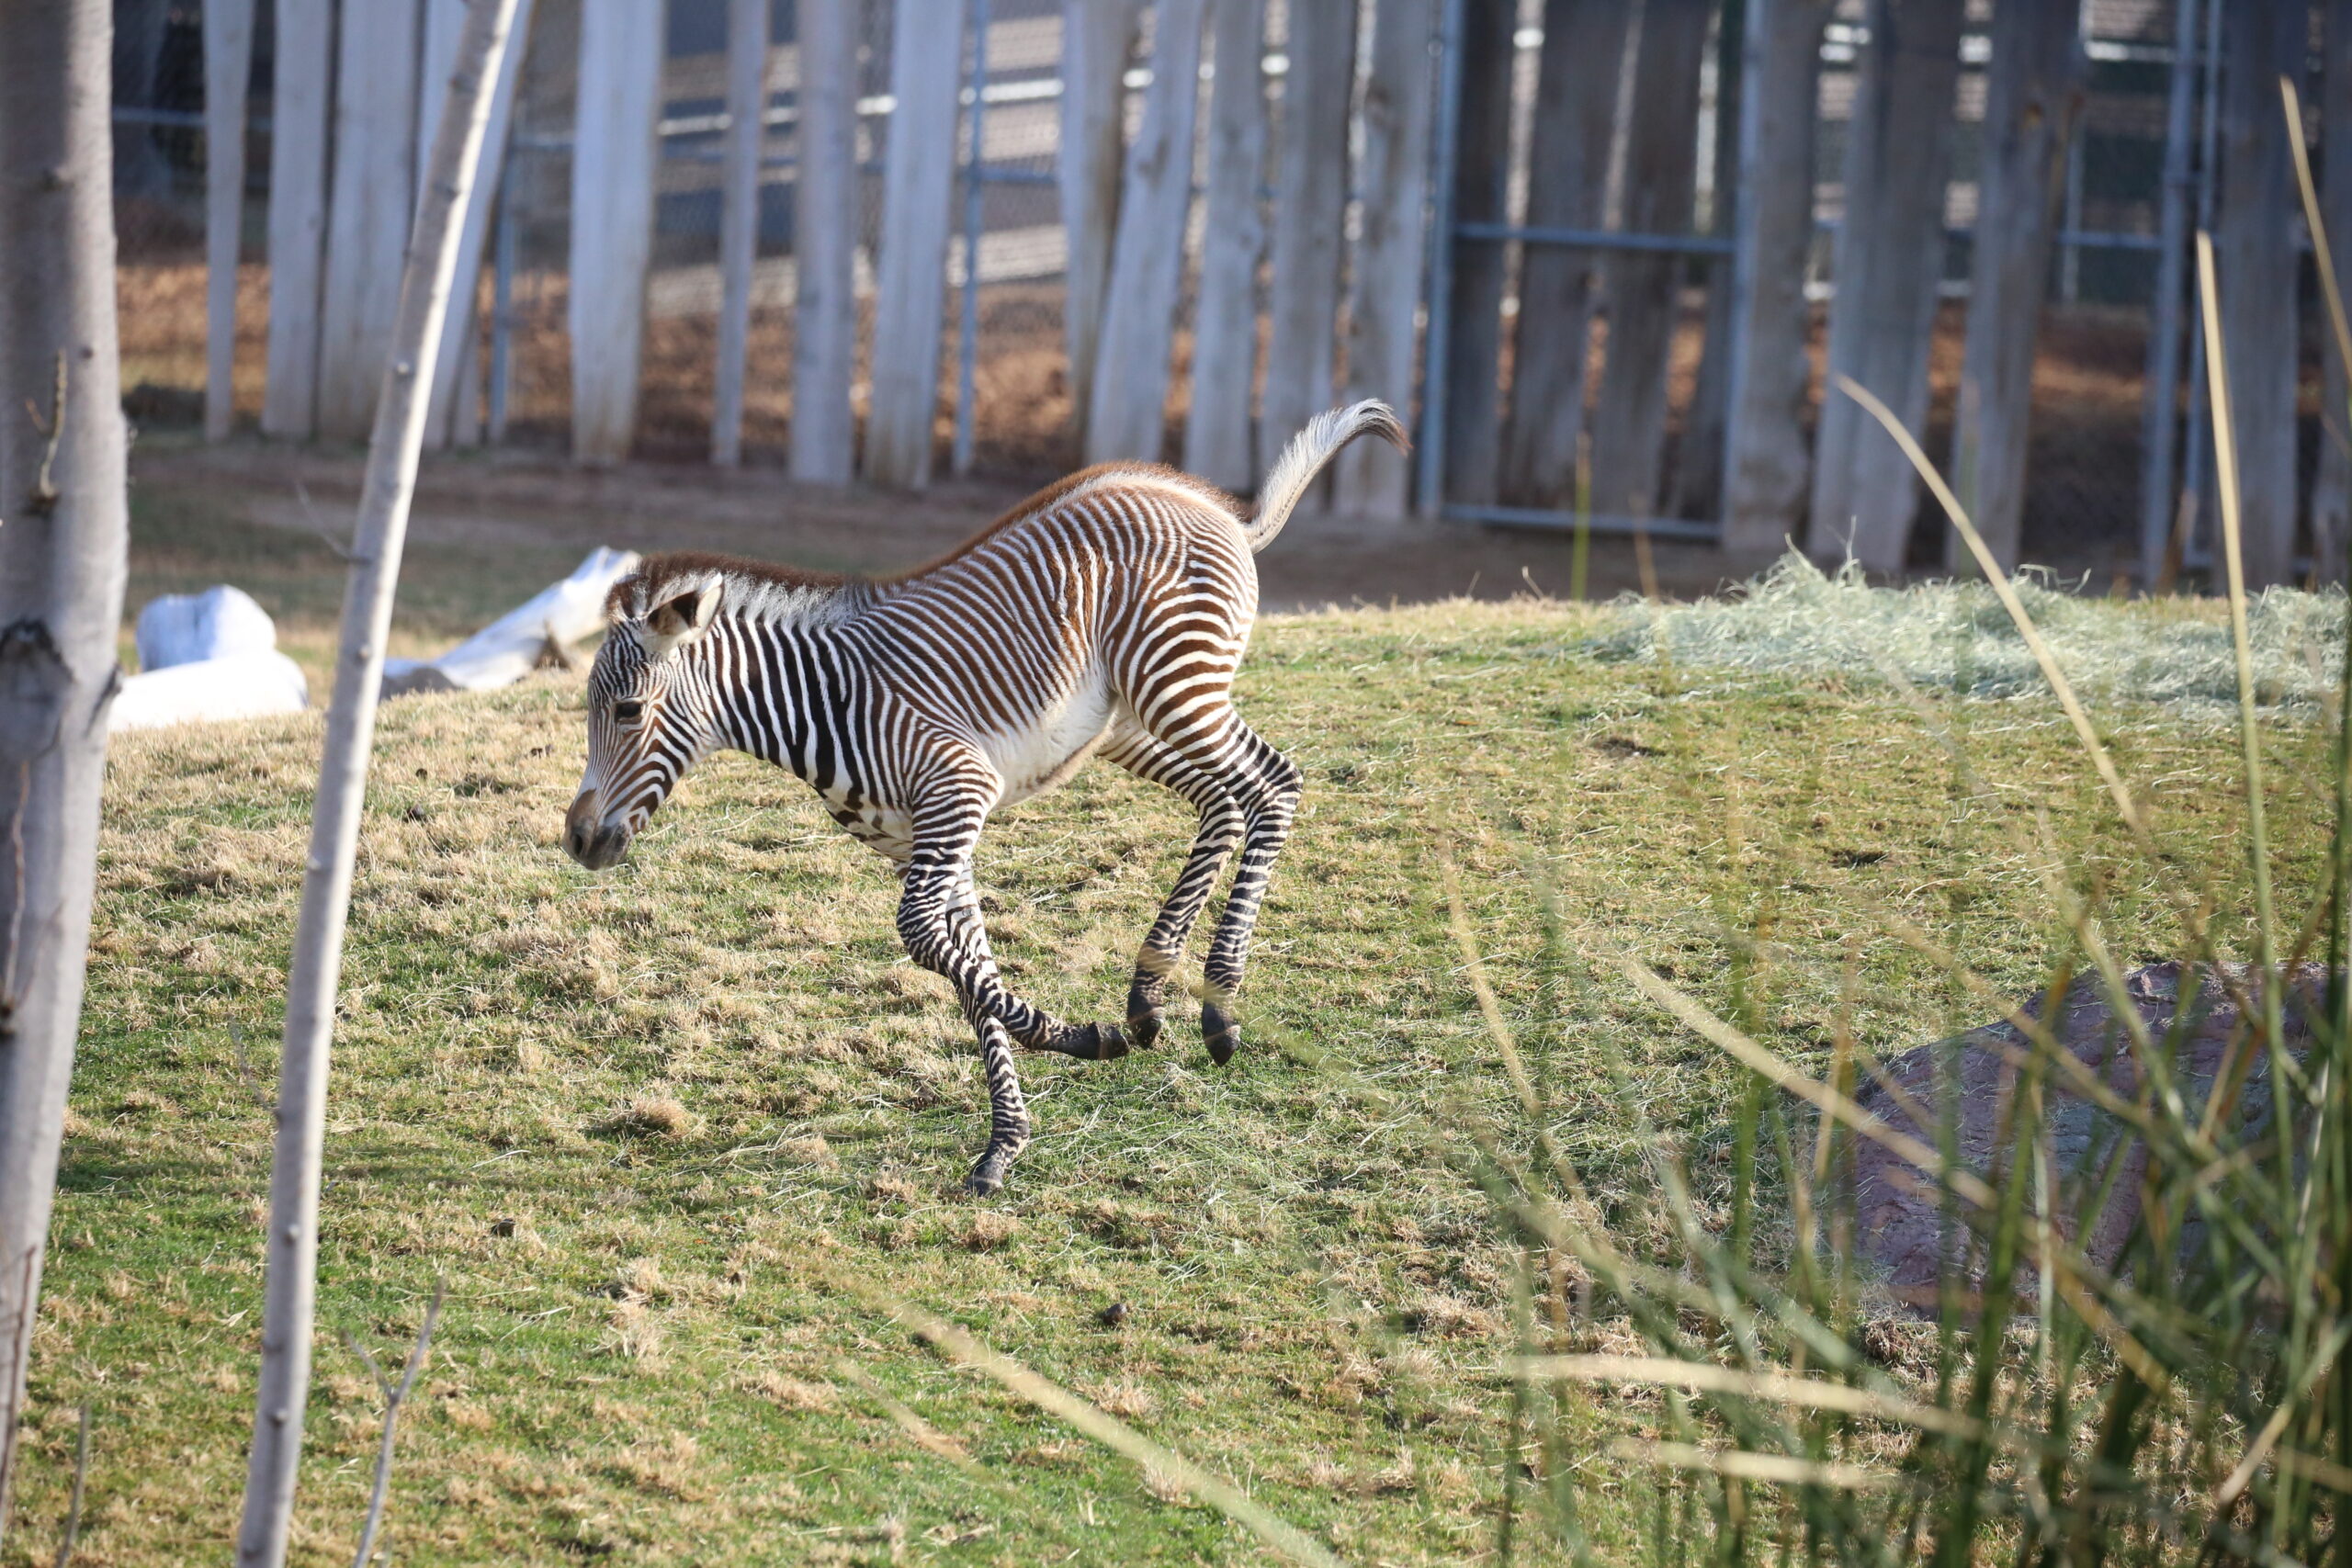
(628,711)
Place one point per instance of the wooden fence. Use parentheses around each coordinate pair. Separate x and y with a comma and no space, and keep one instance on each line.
(1587,295)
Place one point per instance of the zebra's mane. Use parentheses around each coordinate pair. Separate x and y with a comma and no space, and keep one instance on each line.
(750,590)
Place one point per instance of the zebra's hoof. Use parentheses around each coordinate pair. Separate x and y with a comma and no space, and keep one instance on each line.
(1223,1034)
(1143,1020)
(988,1177)
(1108,1042)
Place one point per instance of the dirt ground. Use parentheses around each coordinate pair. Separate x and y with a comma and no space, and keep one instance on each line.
(535,503)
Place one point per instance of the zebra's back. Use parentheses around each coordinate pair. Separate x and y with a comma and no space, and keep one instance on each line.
(1125,591)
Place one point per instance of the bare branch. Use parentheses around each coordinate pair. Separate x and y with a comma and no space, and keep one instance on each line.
(393,1399)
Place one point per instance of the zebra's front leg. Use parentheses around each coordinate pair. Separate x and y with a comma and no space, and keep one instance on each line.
(925,924)
(1008,1112)
(939,920)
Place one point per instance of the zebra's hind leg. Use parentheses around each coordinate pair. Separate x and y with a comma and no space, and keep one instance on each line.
(1267,784)
(1162,953)
(1008,1113)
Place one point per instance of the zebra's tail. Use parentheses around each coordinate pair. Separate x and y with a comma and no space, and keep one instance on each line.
(1305,456)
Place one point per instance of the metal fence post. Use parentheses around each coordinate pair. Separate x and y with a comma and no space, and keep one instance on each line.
(2162,410)
(502,297)
(1429,499)
(968,343)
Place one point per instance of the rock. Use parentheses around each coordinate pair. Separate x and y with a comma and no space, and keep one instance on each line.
(1900,1229)
(187,628)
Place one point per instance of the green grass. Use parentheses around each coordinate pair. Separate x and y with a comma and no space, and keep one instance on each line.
(665,1133)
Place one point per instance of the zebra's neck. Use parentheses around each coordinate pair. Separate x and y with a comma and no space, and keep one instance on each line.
(772,684)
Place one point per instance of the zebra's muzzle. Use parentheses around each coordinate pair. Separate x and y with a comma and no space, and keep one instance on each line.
(588,839)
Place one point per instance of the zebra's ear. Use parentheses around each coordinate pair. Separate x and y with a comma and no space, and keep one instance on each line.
(679,618)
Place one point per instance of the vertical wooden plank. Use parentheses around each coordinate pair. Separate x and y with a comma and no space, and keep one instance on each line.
(298,213)
(455,416)
(1888,261)
(613,158)
(824,240)
(2032,95)
(2257,260)
(1699,456)
(1217,426)
(918,181)
(1098,37)
(738,218)
(1764,447)
(2332,491)
(1371,478)
(1310,207)
(1126,416)
(1576,90)
(227,68)
(1481,175)
(1661,171)
(368,215)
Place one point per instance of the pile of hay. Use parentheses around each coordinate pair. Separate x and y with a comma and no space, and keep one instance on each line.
(1955,636)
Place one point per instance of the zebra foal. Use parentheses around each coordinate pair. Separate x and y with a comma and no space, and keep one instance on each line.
(1107,612)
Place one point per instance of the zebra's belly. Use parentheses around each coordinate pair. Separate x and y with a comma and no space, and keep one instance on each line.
(1051,747)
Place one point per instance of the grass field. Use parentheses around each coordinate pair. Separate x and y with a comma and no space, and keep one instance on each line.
(676,1137)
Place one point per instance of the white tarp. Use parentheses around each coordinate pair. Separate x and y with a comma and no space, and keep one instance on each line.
(241,685)
(511,646)
(182,628)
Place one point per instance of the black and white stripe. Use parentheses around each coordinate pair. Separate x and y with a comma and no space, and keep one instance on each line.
(1108,613)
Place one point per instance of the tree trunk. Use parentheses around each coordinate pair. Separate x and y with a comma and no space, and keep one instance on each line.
(738,218)
(2255,256)
(1098,37)
(376,540)
(1661,171)
(2332,493)
(2031,96)
(824,244)
(304,77)
(1698,459)
(1576,92)
(62,561)
(453,418)
(1481,174)
(369,210)
(1771,376)
(228,70)
(614,155)
(1310,208)
(1217,426)
(1370,478)
(1889,260)
(918,185)
(1127,417)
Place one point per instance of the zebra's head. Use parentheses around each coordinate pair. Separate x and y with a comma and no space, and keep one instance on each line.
(651,712)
